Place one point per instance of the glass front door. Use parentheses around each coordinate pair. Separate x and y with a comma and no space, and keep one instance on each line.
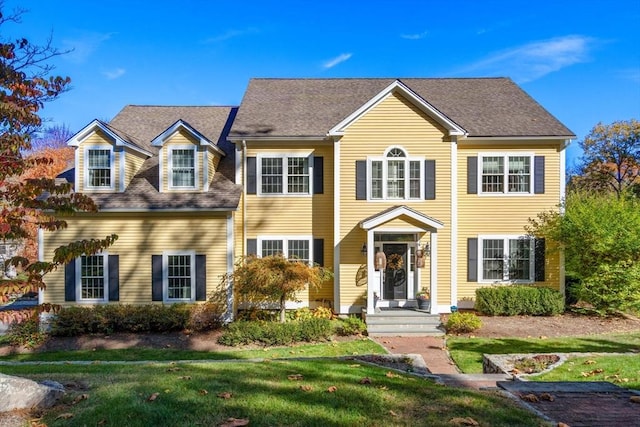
(395,275)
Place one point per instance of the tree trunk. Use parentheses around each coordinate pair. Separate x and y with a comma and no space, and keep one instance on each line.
(283,302)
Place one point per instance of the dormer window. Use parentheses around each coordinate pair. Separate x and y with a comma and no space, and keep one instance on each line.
(182,167)
(99,168)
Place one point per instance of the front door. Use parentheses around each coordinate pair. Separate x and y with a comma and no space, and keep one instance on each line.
(395,275)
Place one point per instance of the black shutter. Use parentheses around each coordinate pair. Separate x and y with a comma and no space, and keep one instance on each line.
(201,277)
(538,174)
(156,277)
(318,175)
(252,247)
(361,180)
(114,278)
(429,179)
(539,260)
(251,175)
(318,252)
(472,260)
(472,175)
(70,281)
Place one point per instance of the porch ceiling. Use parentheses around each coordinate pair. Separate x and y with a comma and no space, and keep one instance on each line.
(396,211)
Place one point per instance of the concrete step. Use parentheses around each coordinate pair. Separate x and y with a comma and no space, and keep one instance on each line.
(404,323)
(385,320)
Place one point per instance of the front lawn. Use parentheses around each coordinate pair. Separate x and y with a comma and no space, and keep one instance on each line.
(270,393)
(467,352)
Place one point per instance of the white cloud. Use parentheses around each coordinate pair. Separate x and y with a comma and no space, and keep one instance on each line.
(537,59)
(231,34)
(84,46)
(114,74)
(416,36)
(337,60)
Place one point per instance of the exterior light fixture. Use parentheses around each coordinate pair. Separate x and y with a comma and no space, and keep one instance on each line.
(363,251)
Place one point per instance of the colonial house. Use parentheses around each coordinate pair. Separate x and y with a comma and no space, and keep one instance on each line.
(397,185)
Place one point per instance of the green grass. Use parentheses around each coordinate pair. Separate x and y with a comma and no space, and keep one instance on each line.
(261,392)
(620,370)
(467,352)
(333,349)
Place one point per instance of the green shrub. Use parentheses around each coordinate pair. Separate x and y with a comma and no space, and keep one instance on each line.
(26,333)
(519,300)
(314,329)
(74,321)
(307,313)
(460,322)
(275,333)
(206,317)
(351,325)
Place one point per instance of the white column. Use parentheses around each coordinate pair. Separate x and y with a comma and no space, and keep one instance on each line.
(336,225)
(454,221)
(371,286)
(434,271)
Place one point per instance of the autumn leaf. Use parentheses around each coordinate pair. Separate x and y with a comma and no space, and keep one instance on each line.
(225,395)
(64,416)
(392,413)
(634,399)
(589,362)
(203,392)
(185,377)
(306,388)
(295,377)
(548,397)
(174,369)
(153,397)
(80,398)
(530,398)
(332,389)
(365,380)
(102,422)
(235,422)
(466,421)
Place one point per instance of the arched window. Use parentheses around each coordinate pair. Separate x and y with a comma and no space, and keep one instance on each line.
(396,176)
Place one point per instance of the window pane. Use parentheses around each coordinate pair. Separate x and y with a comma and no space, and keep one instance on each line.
(298,175)
(414,179)
(298,250)
(272,175)
(179,276)
(492,174)
(99,168)
(272,247)
(376,180)
(519,259)
(396,152)
(519,174)
(493,259)
(183,172)
(92,277)
(395,179)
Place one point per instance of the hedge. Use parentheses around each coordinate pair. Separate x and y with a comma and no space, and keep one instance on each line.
(519,300)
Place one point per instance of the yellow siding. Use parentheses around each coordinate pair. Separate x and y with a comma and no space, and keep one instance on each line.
(181,138)
(504,215)
(213,159)
(140,237)
(98,140)
(393,122)
(133,161)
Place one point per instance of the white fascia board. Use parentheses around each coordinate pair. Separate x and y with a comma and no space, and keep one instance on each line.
(398,86)
(507,139)
(88,130)
(397,212)
(159,140)
(285,139)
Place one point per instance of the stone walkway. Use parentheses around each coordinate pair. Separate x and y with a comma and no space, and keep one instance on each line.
(576,404)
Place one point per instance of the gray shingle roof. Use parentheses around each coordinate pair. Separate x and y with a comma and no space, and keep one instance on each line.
(494,107)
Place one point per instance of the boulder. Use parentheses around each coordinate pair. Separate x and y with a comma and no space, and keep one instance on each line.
(22,393)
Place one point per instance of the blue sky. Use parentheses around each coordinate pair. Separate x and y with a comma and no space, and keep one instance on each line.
(579,59)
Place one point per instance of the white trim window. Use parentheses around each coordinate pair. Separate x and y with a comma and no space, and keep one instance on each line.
(502,173)
(179,276)
(396,176)
(506,259)
(298,248)
(92,273)
(284,174)
(99,170)
(182,167)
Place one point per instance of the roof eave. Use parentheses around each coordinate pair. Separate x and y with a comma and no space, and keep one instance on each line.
(85,132)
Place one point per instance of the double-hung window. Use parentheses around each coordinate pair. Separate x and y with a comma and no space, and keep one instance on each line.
(93,278)
(179,276)
(99,168)
(284,175)
(396,176)
(507,258)
(182,169)
(294,248)
(506,174)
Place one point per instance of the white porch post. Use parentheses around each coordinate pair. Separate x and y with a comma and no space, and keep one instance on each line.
(434,271)
(370,272)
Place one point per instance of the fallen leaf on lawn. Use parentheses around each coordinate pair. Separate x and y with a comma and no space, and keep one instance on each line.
(185,377)
(295,377)
(174,369)
(102,422)
(365,380)
(355,366)
(306,388)
(64,416)
(548,397)
(383,387)
(332,389)
(235,422)
(514,371)
(466,421)
(589,362)
(80,398)
(153,397)
(530,398)
(393,414)
(634,399)
(390,374)
(203,392)
(225,395)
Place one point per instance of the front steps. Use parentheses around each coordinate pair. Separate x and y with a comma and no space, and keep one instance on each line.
(402,323)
